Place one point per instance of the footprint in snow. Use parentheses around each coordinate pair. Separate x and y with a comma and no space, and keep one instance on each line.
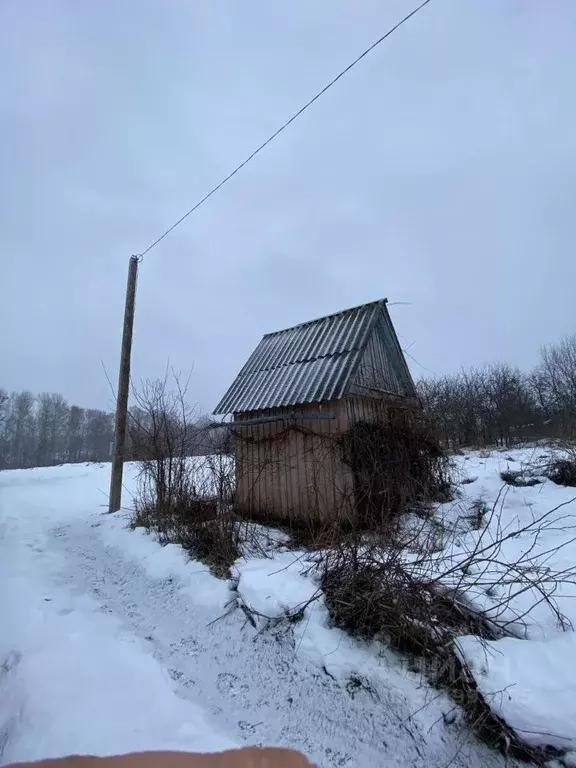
(179,677)
(59,532)
(336,757)
(227,684)
(187,646)
(248,729)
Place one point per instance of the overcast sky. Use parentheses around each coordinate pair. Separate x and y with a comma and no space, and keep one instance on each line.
(441,171)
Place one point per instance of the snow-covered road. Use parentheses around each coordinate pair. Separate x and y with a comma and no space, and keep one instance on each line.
(97,655)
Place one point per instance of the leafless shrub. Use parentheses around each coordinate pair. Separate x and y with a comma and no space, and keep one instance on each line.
(563,472)
(374,594)
(315,534)
(397,463)
(560,467)
(214,542)
(387,603)
(182,499)
(310,532)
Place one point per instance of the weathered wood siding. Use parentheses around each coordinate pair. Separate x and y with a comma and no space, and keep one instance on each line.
(292,470)
(371,409)
(366,409)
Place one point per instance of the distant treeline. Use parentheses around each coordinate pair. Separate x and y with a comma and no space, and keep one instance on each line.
(499,403)
(43,430)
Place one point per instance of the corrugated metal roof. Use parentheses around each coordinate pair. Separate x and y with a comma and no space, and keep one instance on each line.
(308,363)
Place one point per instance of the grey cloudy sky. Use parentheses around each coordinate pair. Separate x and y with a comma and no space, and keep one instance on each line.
(441,171)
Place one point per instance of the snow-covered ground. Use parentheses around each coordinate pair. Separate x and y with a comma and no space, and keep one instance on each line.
(531,528)
(110,643)
(529,679)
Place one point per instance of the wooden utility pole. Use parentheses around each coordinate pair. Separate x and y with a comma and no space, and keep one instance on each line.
(123,389)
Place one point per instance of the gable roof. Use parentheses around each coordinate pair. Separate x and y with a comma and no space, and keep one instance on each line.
(324,359)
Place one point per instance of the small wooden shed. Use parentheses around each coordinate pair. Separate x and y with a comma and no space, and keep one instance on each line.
(296,397)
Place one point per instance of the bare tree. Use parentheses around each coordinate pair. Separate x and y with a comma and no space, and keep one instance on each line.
(75,434)
(492,405)
(98,435)
(556,378)
(20,431)
(3,405)
(52,421)
(510,401)
(162,435)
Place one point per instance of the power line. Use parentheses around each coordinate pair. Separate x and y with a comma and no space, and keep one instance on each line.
(285,125)
(418,362)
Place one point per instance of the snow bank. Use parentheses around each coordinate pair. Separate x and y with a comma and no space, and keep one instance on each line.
(529,684)
(165,562)
(275,587)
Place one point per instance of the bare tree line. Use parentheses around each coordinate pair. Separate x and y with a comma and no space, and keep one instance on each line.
(44,430)
(500,404)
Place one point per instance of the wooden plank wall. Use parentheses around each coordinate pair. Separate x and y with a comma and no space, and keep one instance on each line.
(371,409)
(292,470)
(366,409)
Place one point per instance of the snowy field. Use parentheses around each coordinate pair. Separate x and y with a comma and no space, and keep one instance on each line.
(110,642)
